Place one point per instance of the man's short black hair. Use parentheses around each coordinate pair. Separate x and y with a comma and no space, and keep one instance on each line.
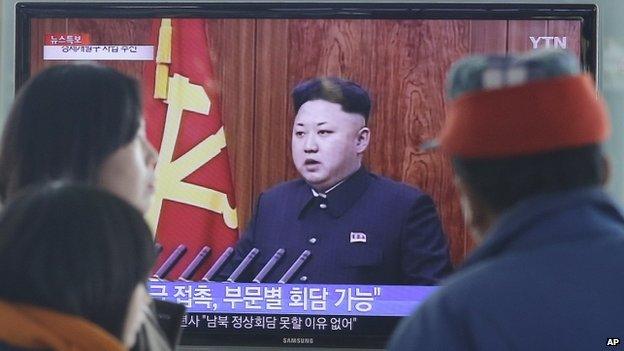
(501,183)
(350,95)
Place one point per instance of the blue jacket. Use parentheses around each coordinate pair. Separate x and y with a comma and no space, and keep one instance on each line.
(402,241)
(549,276)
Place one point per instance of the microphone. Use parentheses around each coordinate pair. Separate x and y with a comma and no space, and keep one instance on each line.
(269,265)
(295,266)
(171,261)
(197,261)
(241,267)
(218,264)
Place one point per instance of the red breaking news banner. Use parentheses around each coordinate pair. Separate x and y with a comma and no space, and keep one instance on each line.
(194,196)
(67,39)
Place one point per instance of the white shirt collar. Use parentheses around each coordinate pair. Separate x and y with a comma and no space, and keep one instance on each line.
(324,194)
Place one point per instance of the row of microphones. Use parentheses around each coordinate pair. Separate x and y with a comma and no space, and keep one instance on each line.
(243,265)
(164,269)
(295,267)
(266,269)
(220,262)
(269,266)
(175,257)
(170,262)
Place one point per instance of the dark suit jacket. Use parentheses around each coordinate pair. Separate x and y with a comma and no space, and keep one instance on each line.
(403,244)
(549,276)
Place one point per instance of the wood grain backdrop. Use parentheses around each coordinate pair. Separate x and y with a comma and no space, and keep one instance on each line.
(402,62)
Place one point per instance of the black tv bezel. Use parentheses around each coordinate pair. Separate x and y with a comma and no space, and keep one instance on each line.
(25,11)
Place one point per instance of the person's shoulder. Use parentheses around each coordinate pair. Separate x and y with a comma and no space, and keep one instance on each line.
(444,311)
(482,283)
(434,323)
(464,290)
(399,190)
(8,347)
(285,188)
(468,281)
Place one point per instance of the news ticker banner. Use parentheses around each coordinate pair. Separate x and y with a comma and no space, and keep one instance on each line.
(78,46)
(292,299)
(98,52)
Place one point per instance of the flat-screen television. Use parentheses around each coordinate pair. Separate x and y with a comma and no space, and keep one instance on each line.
(217,79)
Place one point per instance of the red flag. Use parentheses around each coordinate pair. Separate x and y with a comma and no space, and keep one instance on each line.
(194,197)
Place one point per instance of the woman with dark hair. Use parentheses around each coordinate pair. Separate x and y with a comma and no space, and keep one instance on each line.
(74,261)
(79,123)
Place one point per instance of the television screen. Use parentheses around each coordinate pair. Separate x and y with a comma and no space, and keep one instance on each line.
(216,81)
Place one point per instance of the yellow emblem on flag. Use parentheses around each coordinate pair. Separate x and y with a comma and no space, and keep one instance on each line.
(180,95)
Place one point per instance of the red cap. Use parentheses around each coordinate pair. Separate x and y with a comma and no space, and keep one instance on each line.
(535,117)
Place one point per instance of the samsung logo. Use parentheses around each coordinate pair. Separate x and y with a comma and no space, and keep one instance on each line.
(298,340)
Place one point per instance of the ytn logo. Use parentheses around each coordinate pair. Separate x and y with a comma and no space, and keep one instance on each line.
(548,42)
(613,341)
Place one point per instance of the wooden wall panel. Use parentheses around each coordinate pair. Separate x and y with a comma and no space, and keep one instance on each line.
(271,120)
(410,100)
(569,29)
(520,31)
(488,37)
(233,55)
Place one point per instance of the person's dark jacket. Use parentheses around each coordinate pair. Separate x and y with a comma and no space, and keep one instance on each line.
(549,276)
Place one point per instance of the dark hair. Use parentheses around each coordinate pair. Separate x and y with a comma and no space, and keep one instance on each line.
(64,123)
(351,96)
(500,183)
(74,249)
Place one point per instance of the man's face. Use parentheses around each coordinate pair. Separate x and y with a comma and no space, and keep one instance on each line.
(327,143)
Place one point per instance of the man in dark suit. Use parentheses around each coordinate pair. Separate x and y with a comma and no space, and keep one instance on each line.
(524,134)
(357,227)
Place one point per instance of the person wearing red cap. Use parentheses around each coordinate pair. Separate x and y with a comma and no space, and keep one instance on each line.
(524,134)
